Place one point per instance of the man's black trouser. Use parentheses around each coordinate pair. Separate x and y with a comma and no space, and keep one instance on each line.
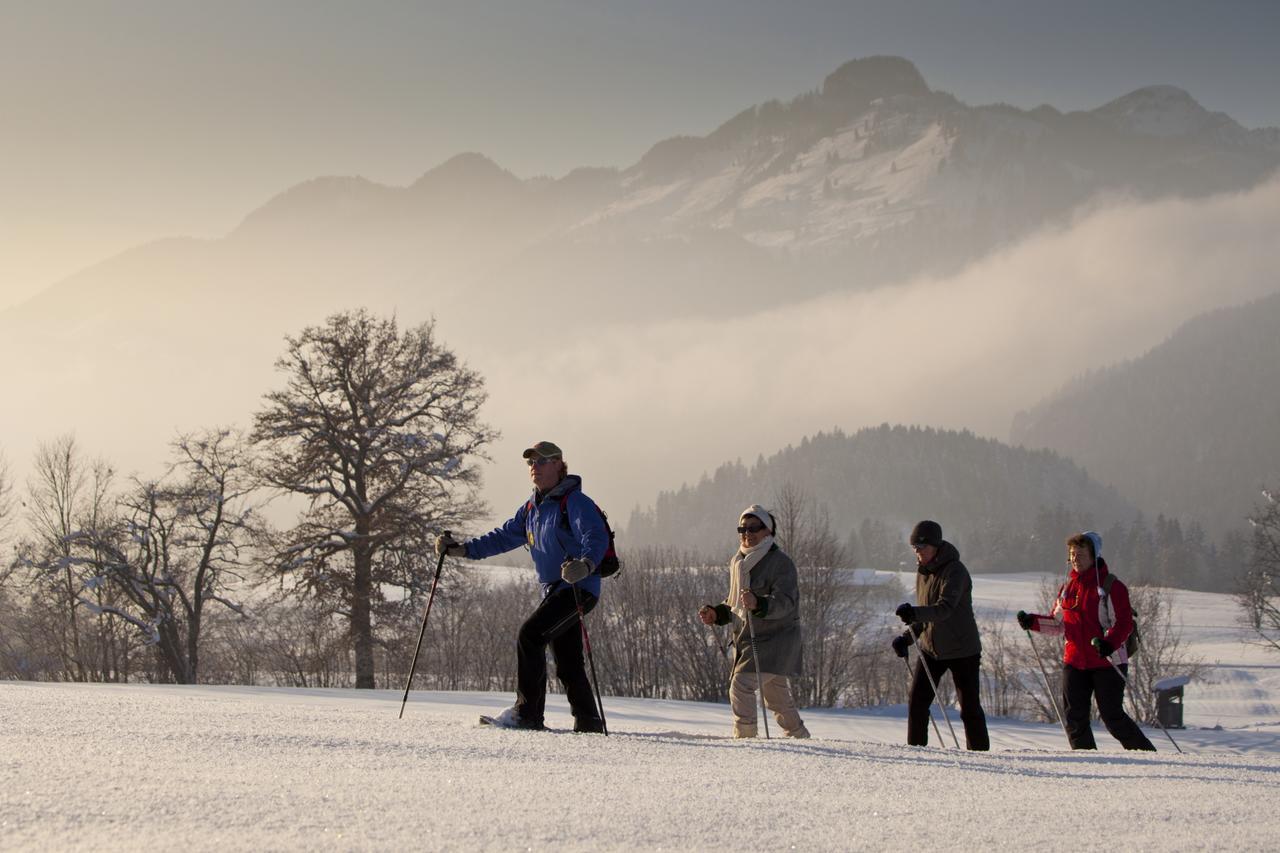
(964,672)
(555,623)
(1106,685)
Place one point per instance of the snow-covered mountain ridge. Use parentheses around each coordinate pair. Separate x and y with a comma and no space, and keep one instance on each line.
(873,159)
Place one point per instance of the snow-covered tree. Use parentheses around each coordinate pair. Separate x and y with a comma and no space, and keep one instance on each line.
(1260,587)
(376,430)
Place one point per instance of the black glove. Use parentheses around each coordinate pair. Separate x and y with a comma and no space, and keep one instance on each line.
(1103,647)
(900,644)
(906,613)
(1025,620)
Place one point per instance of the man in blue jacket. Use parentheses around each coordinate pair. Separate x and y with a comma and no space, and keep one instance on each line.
(566,536)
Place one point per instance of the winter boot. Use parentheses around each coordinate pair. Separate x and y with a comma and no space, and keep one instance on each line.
(511,719)
(588,725)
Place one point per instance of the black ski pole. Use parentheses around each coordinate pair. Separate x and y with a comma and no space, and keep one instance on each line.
(942,744)
(1130,687)
(715,635)
(430,598)
(937,696)
(1048,687)
(591,659)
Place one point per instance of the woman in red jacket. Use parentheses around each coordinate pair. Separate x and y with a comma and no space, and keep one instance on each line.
(1096,623)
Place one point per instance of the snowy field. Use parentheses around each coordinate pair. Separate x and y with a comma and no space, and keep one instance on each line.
(205,768)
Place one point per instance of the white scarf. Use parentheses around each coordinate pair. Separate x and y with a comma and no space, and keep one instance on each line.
(740,572)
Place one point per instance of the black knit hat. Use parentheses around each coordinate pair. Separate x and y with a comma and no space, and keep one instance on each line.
(927,533)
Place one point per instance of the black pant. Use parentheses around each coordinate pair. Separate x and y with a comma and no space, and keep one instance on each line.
(1107,687)
(964,673)
(555,623)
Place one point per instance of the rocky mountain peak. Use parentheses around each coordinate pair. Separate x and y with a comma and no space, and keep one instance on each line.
(1163,111)
(863,80)
(465,171)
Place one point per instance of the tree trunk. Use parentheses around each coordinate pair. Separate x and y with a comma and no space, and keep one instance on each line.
(361,622)
(79,674)
(193,644)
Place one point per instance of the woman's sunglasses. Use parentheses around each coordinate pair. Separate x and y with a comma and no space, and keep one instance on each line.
(751,528)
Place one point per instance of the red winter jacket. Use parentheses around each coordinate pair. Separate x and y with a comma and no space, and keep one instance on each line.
(1080,613)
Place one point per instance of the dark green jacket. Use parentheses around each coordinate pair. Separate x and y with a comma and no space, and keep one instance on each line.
(776,618)
(944,626)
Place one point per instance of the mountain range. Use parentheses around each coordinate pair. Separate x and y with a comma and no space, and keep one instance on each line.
(860,171)
(870,179)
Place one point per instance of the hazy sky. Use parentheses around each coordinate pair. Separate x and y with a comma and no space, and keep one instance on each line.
(122,122)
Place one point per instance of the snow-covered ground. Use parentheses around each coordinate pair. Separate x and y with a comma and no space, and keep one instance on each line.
(129,766)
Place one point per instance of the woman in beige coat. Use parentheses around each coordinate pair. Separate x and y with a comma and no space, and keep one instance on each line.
(764,587)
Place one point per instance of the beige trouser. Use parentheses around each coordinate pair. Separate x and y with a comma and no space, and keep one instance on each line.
(777,698)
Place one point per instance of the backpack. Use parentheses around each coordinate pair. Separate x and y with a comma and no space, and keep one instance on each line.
(1131,644)
(610,564)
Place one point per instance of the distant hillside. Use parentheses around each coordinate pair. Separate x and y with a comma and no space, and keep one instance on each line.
(1191,429)
(876,483)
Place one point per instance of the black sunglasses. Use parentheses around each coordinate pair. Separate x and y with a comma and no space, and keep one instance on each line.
(752,528)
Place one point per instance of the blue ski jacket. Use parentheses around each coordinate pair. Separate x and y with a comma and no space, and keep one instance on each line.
(538,525)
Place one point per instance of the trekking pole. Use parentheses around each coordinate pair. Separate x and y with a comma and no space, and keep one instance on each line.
(715,635)
(430,598)
(755,658)
(941,743)
(586,642)
(1049,689)
(1130,689)
(937,697)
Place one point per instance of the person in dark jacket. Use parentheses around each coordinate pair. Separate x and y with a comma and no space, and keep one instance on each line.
(763,587)
(567,538)
(942,623)
(1094,615)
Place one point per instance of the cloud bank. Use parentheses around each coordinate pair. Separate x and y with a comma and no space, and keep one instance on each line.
(640,409)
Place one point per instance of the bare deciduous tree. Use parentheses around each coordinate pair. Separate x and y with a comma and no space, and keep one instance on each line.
(174,547)
(65,495)
(1162,652)
(1259,594)
(1012,685)
(832,611)
(6,508)
(376,430)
